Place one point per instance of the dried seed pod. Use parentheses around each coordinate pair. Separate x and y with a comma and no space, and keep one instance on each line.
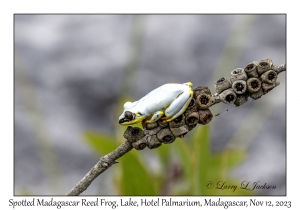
(241,99)
(165,136)
(180,131)
(257,94)
(192,106)
(203,100)
(269,77)
(140,144)
(188,112)
(264,65)
(150,126)
(238,74)
(205,116)
(239,86)
(222,84)
(202,96)
(253,84)
(201,89)
(267,87)
(177,122)
(152,132)
(162,124)
(133,134)
(192,120)
(251,69)
(228,96)
(153,142)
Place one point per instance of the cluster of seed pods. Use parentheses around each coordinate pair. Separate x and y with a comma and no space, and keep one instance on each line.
(255,80)
(158,133)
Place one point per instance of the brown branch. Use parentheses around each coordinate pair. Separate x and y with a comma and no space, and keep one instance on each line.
(280,68)
(198,112)
(103,164)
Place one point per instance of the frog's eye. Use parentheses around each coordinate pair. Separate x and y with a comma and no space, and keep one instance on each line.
(128,115)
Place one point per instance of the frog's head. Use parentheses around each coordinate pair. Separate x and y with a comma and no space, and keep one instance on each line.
(130,115)
(129,118)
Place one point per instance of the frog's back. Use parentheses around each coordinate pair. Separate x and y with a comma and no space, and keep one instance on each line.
(165,89)
(161,97)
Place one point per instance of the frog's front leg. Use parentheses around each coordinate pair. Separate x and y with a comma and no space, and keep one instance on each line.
(178,106)
(155,116)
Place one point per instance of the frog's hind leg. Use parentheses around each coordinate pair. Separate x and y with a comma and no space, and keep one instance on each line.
(178,106)
(157,115)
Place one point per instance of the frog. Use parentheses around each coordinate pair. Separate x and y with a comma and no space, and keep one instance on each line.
(164,103)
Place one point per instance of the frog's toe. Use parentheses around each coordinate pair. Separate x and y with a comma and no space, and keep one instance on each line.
(179,105)
(157,115)
(189,84)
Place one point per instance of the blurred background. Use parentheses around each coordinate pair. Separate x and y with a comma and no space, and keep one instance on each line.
(73,74)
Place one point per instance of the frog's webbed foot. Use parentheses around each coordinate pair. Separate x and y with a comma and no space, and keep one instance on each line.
(157,115)
(178,106)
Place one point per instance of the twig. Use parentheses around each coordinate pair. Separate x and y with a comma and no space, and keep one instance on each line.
(157,133)
(103,164)
(280,68)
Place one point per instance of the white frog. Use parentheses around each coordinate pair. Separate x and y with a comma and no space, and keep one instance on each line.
(168,101)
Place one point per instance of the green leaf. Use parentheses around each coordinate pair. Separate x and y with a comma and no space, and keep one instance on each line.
(185,155)
(164,156)
(101,143)
(135,179)
(201,159)
(229,158)
(163,153)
